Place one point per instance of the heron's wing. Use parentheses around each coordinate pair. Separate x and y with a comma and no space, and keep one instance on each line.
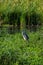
(26,36)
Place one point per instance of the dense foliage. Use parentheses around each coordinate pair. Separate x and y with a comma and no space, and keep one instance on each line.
(21,7)
(21,14)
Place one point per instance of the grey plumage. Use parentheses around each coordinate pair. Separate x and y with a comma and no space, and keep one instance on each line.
(25,36)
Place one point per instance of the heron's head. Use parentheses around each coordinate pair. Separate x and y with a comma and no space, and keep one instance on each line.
(23,32)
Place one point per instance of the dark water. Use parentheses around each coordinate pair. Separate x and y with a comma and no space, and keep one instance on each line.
(8,30)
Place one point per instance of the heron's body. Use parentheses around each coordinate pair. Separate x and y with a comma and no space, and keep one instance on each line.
(25,36)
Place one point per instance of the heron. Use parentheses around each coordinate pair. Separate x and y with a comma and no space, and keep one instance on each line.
(25,36)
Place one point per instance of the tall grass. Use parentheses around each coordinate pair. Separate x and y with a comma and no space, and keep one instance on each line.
(14,50)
